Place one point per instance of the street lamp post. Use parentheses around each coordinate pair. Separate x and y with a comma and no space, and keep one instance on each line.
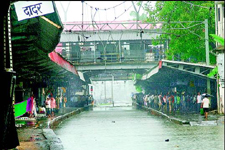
(207,52)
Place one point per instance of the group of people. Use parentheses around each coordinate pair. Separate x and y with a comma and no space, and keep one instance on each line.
(174,101)
(50,107)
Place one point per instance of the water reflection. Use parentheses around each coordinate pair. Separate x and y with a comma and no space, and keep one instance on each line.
(125,128)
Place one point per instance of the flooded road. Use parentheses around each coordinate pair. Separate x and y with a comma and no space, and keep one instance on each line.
(126,128)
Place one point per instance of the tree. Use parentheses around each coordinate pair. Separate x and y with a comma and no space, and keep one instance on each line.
(184,44)
(218,39)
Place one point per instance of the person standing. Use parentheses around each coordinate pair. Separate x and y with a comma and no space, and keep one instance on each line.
(53,106)
(160,102)
(171,102)
(178,102)
(205,106)
(183,102)
(199,100)
(64,102)
(188,102)
(167,102)
(34,110)
(30,104)
(175,102)
(156,101)
(194,102)
(48,107)
(60,101)
(145,100)
(151,101)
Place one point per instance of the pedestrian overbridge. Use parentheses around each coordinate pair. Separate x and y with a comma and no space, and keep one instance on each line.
(117,47)
(117,66)
(120,71)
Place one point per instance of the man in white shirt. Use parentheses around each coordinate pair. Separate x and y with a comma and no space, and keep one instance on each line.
(60,101)
(48,107)
(205,105)
(199,101)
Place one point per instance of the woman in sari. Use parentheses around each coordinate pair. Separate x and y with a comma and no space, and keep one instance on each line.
(30,104)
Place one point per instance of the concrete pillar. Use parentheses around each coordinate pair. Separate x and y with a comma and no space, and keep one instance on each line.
(112,89)
(120,51)
(207,52)
(94,52)
(105,90)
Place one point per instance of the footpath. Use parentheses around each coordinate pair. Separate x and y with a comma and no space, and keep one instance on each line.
(37,134)
(192,119)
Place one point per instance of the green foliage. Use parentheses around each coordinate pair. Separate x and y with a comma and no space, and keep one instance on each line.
(138,88)
(213,72)
(218,39)
(137,76)
(189,42)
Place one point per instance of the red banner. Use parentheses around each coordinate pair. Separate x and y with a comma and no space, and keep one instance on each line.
(55,57)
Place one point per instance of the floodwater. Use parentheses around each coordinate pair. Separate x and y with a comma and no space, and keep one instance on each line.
(126,128)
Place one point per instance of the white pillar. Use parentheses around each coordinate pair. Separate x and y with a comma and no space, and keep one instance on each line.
(112,89)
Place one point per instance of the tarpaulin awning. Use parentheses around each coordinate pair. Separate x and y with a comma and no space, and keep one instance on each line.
(20,108)
(55,57)
(32,40)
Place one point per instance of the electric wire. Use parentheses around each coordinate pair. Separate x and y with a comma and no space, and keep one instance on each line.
(121,13)
(93,20)
(198,5)
(106,8)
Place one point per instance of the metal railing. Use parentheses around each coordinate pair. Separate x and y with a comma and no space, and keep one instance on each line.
(109,26)
(125,56)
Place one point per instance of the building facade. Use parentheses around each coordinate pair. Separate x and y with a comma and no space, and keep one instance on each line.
(219,20)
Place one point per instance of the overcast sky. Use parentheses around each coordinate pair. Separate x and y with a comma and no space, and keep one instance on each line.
(74,12)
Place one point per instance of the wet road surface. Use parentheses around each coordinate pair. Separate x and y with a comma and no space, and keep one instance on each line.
(126,128)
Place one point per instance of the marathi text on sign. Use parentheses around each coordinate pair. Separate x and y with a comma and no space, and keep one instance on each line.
(31,9)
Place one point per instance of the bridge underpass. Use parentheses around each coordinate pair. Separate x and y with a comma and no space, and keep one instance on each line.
(113,84)
(111,80)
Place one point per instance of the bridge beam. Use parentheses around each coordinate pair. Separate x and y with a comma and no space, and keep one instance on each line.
(117,67)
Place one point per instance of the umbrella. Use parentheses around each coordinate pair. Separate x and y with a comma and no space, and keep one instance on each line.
(207,95)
